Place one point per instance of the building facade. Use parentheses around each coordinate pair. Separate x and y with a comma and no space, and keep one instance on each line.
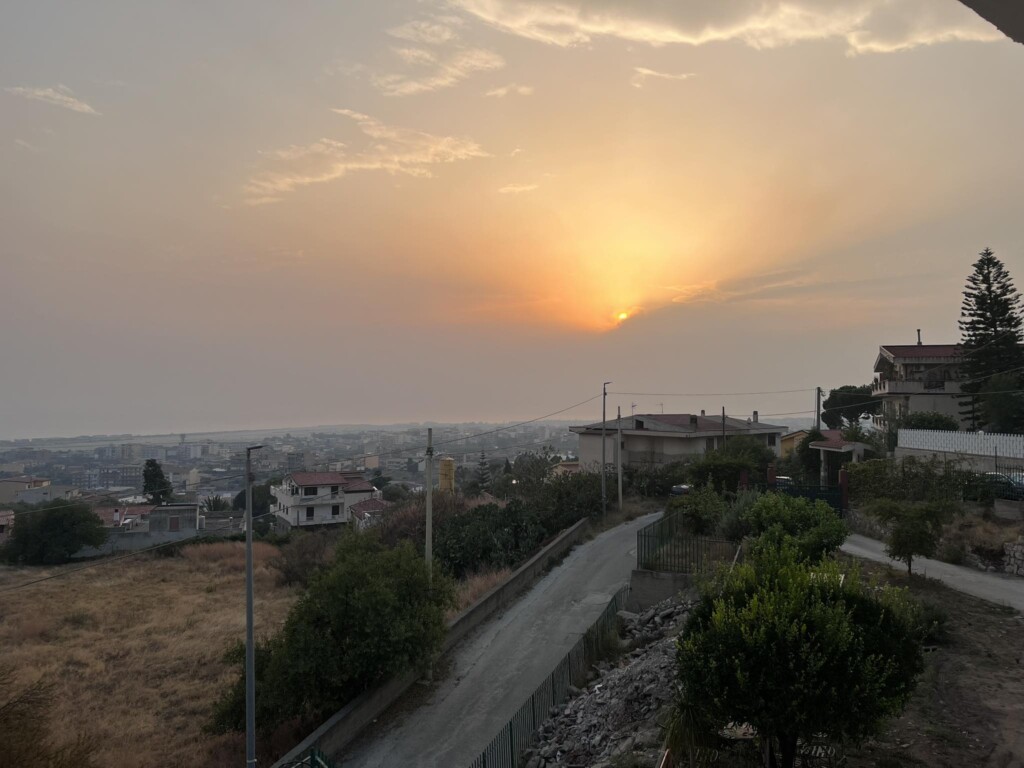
(318,498)
(912,378)
(658,439)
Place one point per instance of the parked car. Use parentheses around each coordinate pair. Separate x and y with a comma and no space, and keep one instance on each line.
(679,490)
(999,485)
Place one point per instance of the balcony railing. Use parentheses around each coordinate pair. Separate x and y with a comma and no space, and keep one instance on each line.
(908,387)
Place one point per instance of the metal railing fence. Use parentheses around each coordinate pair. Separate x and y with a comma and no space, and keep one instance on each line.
(667,545)
(506,749)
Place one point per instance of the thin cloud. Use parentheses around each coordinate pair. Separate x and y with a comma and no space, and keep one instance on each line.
(61,96)
(867,26)
(511,88)
(517,189)
(391,149)
(441,72)
(428,31)
(640,75)
(28,147)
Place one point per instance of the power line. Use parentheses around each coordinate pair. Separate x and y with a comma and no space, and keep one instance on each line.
(712,394)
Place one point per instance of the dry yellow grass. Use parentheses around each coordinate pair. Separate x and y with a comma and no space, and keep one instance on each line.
(476,586)
(135,647)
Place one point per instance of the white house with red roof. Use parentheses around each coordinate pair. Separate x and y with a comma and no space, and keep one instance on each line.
(911,378)
(662,438)
(318,498)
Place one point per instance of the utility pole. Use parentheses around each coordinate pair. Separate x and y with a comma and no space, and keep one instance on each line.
(817,408)
(604,448)
(723,426)
(429,549)
(618,453)
(250,645)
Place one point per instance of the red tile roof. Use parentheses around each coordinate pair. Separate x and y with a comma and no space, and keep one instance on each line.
(367,507)
(922,350)
(326,478)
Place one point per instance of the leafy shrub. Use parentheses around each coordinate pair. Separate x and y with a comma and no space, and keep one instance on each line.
(952,552)
(700,510)
(907,479)
(52,533)
(815,528)
(797,652)
(371,614)
(914,528)
(489,537)
(734,525)
(303,555)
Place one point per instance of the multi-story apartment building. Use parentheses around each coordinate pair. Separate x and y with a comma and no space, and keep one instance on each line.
(911,378)
(318,498)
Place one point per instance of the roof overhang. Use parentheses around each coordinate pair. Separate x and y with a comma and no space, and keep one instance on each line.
(1007,16)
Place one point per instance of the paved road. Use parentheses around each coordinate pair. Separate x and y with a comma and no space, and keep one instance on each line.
(500,665)
(994,587)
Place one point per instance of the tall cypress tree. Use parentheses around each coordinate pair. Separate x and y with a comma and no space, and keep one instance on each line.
(991,336)
(483,472)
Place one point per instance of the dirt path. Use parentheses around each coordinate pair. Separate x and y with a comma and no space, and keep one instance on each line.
(968,710)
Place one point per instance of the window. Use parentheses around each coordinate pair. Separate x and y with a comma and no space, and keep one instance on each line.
(309,513)
(335,510)
(771,440)
(334,490)
(709,444)
(309,490)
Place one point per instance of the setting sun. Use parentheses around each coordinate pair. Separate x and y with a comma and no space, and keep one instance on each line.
(623,315)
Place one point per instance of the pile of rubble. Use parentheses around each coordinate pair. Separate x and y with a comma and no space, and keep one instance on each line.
(617,715)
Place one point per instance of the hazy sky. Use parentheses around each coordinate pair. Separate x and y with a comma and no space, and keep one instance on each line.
(254,214)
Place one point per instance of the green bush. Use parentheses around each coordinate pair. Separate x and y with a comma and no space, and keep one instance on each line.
(798,653)
(489,536)
(52,533)
(914,528)
(370,615)
(907,479)
(814,527)
(700,510)
(734,525)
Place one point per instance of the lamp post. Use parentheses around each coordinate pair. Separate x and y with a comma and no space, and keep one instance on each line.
(604,448)
(250,647)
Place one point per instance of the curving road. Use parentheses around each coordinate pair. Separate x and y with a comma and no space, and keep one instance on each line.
(502,663)
(994,587)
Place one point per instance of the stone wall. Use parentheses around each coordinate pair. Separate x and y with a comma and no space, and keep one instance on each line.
(1013,560)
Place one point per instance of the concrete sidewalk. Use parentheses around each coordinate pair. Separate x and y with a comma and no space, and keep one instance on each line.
(994,587)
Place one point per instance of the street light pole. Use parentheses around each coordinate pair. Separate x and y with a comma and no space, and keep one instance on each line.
(250,646)
(604,448)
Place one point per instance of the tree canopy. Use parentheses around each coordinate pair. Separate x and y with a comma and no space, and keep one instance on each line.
(991,336)
(799,653)
(847,404)
(154,483)
(371,614)
(52,533)
(930,420)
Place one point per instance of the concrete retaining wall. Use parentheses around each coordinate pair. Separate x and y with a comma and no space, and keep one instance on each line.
(647,588)
(342,728)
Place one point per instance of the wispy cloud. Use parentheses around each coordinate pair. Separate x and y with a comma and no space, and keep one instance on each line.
(517,189)
(511,88)
(61,96)
(391,149)
(438,71)
(436,31)
(27,146)
(640,75)
(867,26)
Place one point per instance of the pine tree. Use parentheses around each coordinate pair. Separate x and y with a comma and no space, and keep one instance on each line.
(483,472)
(154,483)
(991,337)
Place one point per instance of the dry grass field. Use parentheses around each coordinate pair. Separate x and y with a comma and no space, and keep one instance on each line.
(135,647)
